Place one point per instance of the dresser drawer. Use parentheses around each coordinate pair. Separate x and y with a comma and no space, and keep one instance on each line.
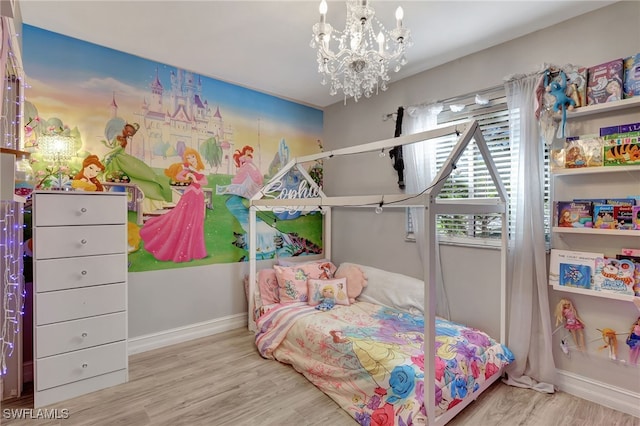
(64,305)
(54,209)
(73,366)
(84,333)
(73,272)
(70,241)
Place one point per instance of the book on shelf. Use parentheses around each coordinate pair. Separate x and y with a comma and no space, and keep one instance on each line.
(583,151)
(576,85)
(604,216)
(631,76)
(572,214)
(623,216)
(636,275)
(604,82)
(622,154)
(572,268)
(635,217)
(614,275)
(630,251)
(620,128)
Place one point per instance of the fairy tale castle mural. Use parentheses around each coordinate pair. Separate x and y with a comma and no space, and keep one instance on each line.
(184,119)
(189,150)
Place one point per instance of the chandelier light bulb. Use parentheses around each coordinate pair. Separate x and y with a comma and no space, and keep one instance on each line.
(399,16)
(323,11)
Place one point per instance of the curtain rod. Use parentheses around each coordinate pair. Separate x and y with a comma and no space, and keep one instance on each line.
(385,117)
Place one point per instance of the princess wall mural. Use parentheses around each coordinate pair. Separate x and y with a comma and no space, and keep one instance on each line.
(188,149)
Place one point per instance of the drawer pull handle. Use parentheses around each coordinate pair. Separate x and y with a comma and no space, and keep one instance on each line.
(84,335)
(83,241)
(84,272)
(85,365)
(83,210)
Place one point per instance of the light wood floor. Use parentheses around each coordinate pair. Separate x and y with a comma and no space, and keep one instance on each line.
(222,380)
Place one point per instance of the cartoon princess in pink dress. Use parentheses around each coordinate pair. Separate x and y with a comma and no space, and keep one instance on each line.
(248,178)
(178,235)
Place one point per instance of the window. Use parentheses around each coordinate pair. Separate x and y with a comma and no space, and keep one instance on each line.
(471,178)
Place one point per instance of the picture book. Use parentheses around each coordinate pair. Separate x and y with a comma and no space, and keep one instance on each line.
(556,159)
(621,138)
(623,217)
(572,275)
(572,268)
(630,252)
(625,154)
(635,217)
(604,82)
(576,85)
(614,275)
(603,216)
(636,272)
(583,151)
(570,214)
(621,201)
(621,128)
(631,76)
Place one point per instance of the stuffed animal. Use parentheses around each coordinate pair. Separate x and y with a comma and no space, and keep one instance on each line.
(356,279)
(558,89)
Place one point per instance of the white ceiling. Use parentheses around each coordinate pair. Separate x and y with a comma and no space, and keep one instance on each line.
(264,45)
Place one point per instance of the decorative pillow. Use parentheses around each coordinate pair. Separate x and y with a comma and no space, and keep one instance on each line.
(268,286)
(335,288)
(393,290)
(292,280)
(356,279)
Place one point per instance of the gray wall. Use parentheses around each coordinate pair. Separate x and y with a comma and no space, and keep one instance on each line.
(364,237)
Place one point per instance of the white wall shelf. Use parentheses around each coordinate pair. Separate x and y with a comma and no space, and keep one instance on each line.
(596,231)
(595,170)
(588,292)
(604,108)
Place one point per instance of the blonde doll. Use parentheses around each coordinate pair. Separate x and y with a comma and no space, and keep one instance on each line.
(567,313)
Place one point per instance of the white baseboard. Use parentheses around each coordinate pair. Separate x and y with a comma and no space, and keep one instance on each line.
(601,393)
(182,334)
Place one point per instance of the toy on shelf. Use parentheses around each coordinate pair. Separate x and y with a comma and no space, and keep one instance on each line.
(567,313)
(558,89)
(610,342)
(634,342)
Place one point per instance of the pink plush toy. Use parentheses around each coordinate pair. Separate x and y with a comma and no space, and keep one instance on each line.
(356,279)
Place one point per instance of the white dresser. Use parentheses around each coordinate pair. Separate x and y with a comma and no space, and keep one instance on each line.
(80,293)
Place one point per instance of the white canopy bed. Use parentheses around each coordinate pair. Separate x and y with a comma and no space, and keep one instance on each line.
(267,199)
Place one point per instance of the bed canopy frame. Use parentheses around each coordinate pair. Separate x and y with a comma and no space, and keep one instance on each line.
(314,199)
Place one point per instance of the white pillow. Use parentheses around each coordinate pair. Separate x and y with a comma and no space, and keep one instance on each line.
(393,290)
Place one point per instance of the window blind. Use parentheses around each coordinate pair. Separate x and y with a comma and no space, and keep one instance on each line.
(471,179)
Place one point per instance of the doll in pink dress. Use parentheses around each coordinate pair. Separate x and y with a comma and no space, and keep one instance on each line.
(634,342)
(178,235)
(567,313)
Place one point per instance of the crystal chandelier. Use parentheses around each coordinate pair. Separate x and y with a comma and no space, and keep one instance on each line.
(366,50)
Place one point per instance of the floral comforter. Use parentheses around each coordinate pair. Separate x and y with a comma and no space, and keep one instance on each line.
(370,359)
